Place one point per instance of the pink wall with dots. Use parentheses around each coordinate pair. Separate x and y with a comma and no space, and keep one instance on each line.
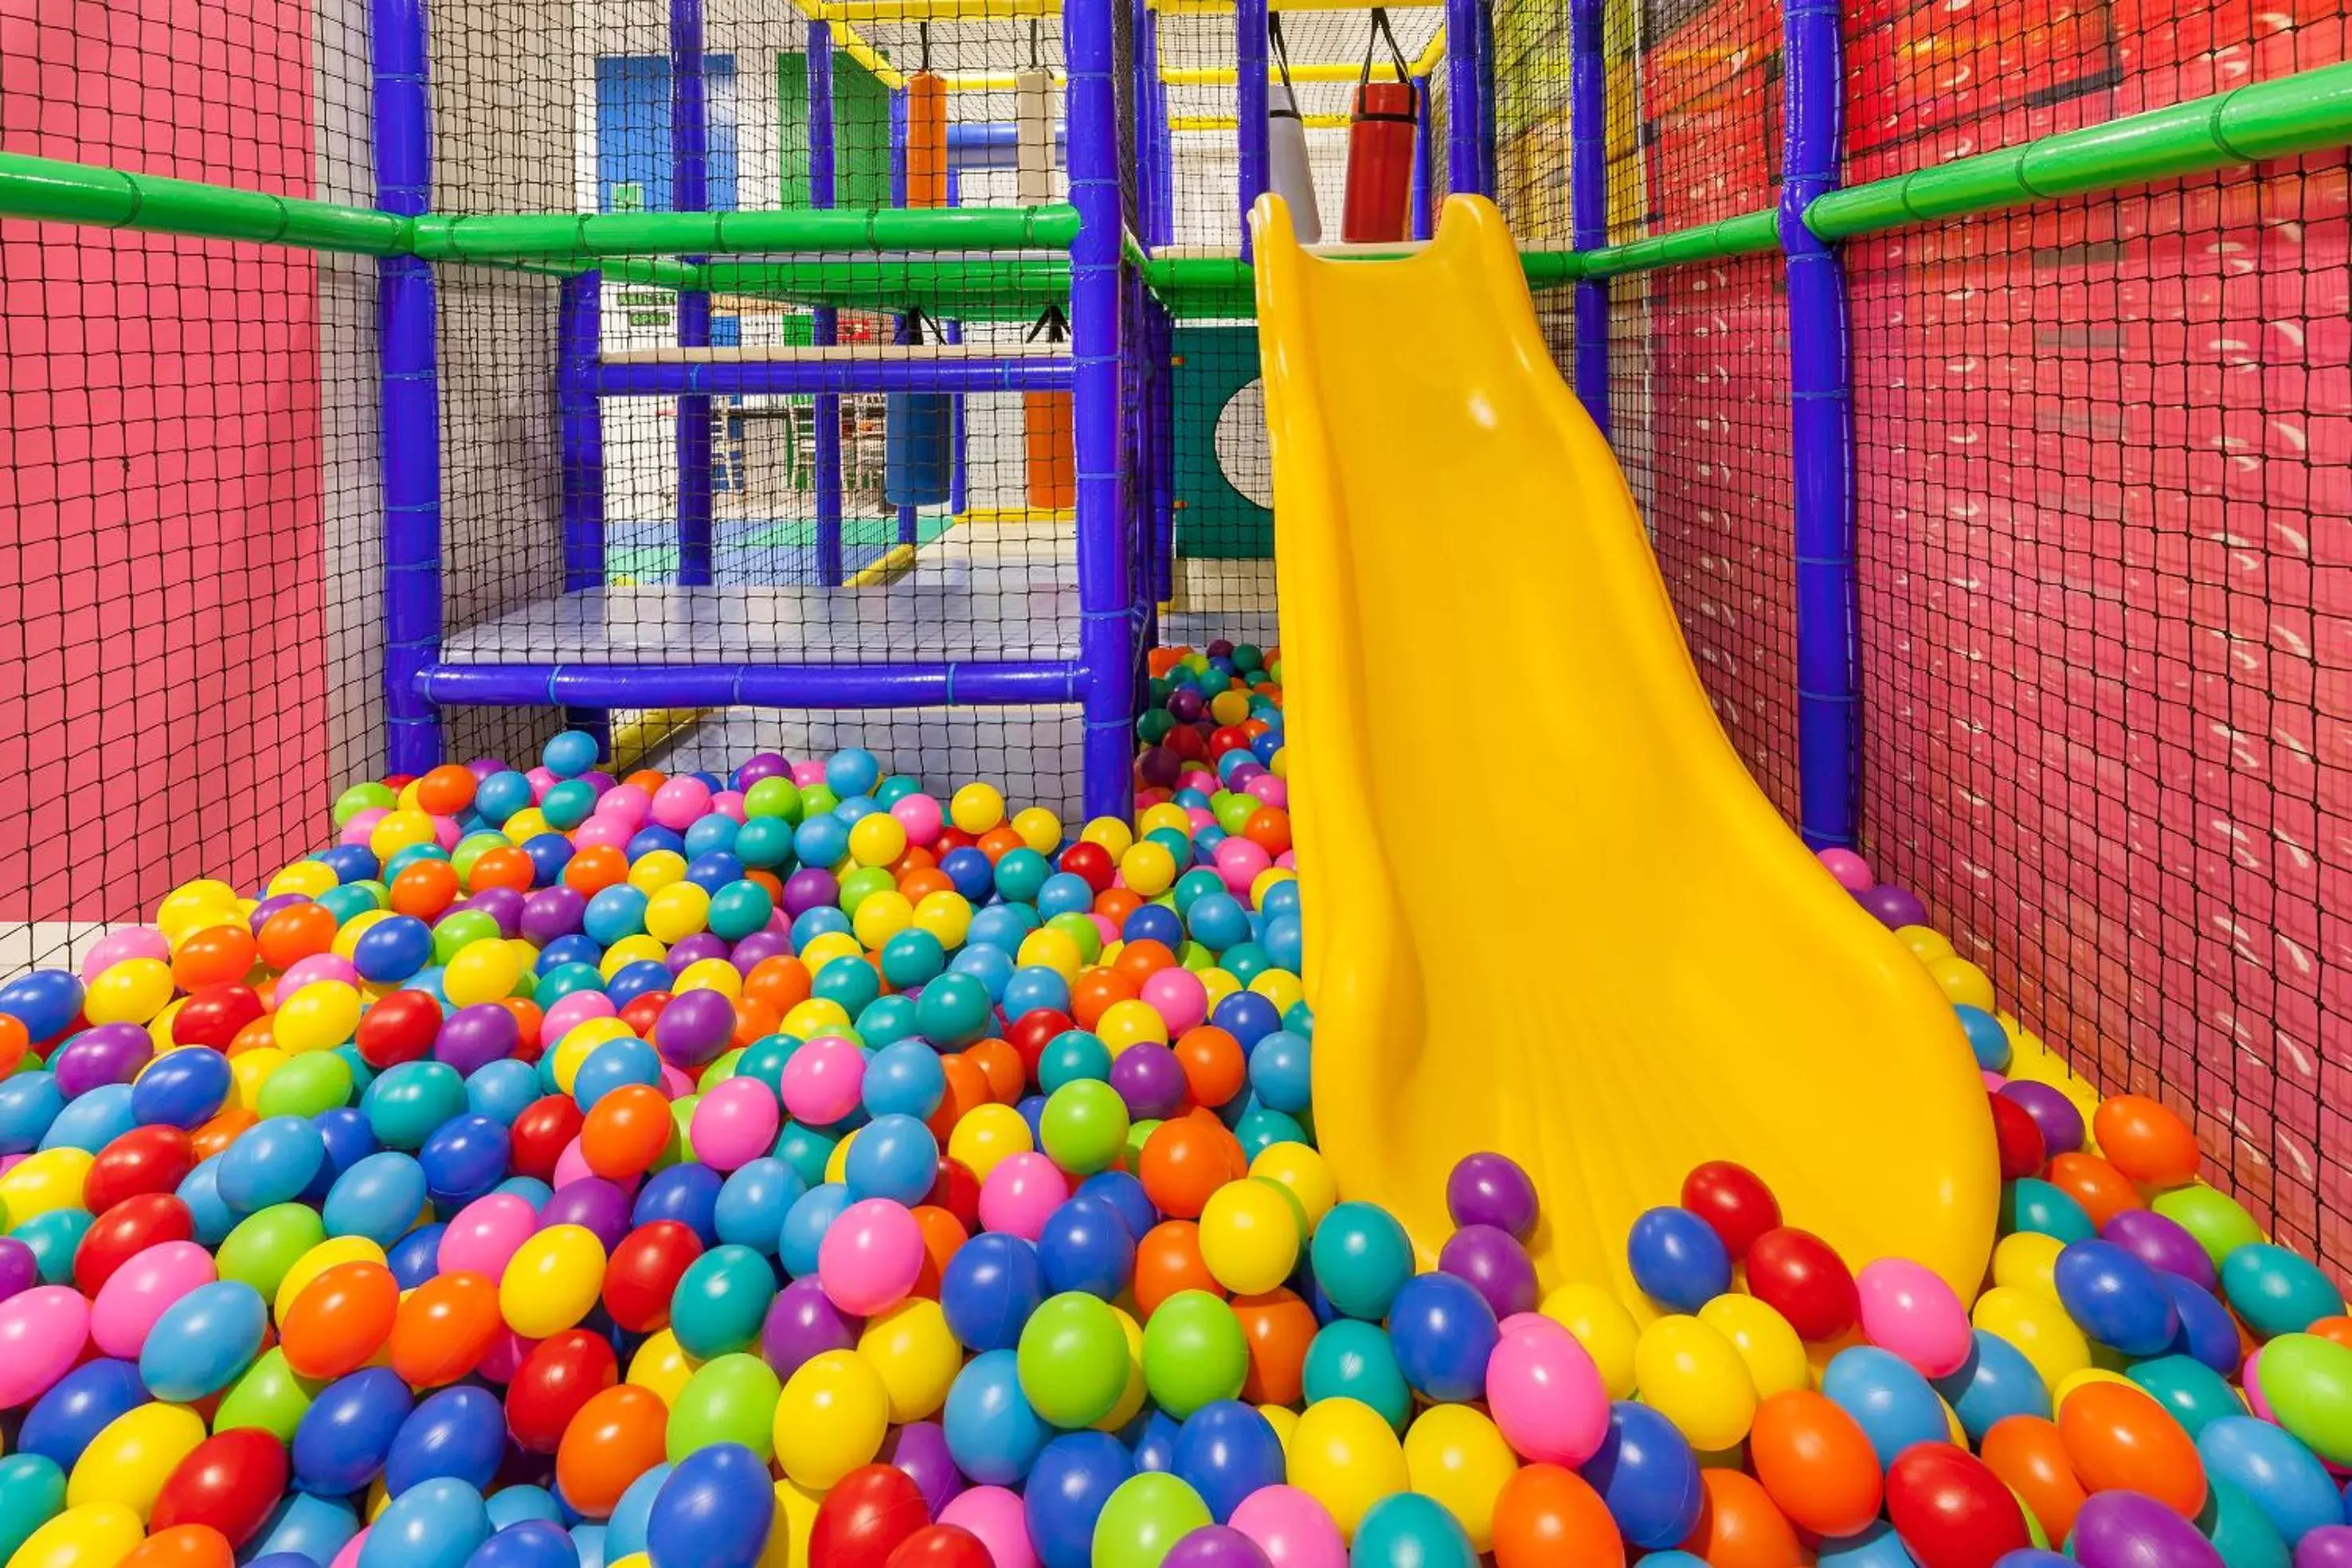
(162,640)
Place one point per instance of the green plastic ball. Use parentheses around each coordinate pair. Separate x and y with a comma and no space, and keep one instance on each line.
(365,797)
(267,1244)
(270,1396)
(778,798)
(1072,1360)
(1194,1353)
(306,1085)
(1083,1126)
(2215,1218)
(1144,1518)
(729,1399)
(2308,1381)
(954,1009)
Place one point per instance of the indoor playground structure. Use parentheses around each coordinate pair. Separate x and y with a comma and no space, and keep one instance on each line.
(1175,784)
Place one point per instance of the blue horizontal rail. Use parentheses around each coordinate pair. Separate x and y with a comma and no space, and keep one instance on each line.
(752,686)
(745,378)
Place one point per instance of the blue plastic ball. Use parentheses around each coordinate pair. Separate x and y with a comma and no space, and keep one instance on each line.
(1444,1331)
(993,1434)
(2116,1298)
(1644,1470)
(989,1288)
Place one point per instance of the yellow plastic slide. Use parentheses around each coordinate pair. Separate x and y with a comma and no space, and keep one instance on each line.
(1550,913)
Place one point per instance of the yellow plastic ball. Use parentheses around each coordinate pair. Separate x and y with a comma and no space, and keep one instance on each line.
(1962,981)
(579,1041)
(2028,1260)
(678,911)
(131,991)
(1764,1340)
(193,900)
(1055,950)
(324,1014)
(709,975)
(159,1028)
(1249,1237)
(1266,880)
(248,1071)
(1285,1422)
(1345,1456)
(655,870)
(1166,814)
(40,1183)
(1926,942)
(1039,829)
(877,838)
(2079,1380)
(2038,1326)
(831,947)
(1279,986)
(788,1535)
(99,1535)
(553,1281)
(1131,1022)
(836,1163)
(629,950)
(1131,1397)
(482,972)
(913,1351)
(1305,1174)
(525,825)
(1229,707)
(348,935)
(881,915)
(818,1015)
(945,915)
(326,1255)
(308,878)
(976,808)
(1693,1377)
(1109,832)
(662,1364)
(986,1136)
(1455,1455)
(1149,868)
(1219,983)
(133,1456)
(397,831)
(831,1419)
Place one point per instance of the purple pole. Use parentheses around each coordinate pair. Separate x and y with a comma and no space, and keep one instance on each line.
(1821,430)
(908,529)
(409,388)
(1249,80)
(1466,175)
(825,323)
(757,685)
(580,428)
(953,331)
(1588,199)
(690,193)
(1418,203)
(1155,173)
(740,378)
(1106,607)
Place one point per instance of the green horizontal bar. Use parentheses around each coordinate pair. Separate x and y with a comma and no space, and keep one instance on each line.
(1027,284)
(49,188)
(1751,233)
(1050,227)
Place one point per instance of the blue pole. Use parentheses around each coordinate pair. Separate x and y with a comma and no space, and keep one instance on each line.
(1250,124)
(1465,174)
(1155,177)
(410,393)
(1820,432)
(824,324)
(953,331)
(580,434)
(1418,202)
(1588,200)
(907,526)
(1106,609)
(690,193)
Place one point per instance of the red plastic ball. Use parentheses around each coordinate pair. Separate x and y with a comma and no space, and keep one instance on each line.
(542,1134)
(228,1483)
(957,1190)
(942,1546)
(149,1159)
(1734,1201)
(642,1010)
(399,1028)
(2019,1138)
(1798,1275)
(1951,1511)
(124,1232)
(562,1373)
(214,1015)
(867,1516)
(1091,861)
(644,1272)
(1033,1031)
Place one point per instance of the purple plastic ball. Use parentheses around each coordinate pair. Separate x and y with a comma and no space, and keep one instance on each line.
(1185,704)
(1494,1265)
(694,949)
(270,906)
(802,1323)
(757,948)
(1160,767)
(2061,1124)
(1150,1079)
(1491,1190)
(762,765)
(695,1028)
(919,1450)
(2130,1530)
(2329,1546)
(474,1036)
(2162,1244)
(553,912)
(1216,1546)
(1893,906)
(103,1053)
(810,887)
(19,1269)
(503,904)
(599,1205)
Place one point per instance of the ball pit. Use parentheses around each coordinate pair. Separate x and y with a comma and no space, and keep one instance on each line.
(795,1166)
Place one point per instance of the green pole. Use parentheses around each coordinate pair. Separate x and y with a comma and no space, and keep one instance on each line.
(52,189)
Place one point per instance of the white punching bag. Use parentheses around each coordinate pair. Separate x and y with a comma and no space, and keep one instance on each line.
(1287,175)
(1032,137)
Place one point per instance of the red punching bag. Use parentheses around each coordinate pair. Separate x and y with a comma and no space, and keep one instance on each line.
(1380,150)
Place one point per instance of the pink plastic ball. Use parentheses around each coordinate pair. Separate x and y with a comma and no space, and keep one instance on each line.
(734,1123)
(1103,927)
(1908,1308)
(309,971)
(675,1084)
(1546,1394)
(680,801)
(602,833)
(1992,1081)
(924,821)
(42,1332)
(137,1293)
(362,824)
(484,1234)
(871,1258)
(1291,1527)
(571,1165)
(540,781)
(995,1516)
(728,803)
(1200,816)
(824,1080)
(130,942)
(1242,861)
(1851,870)
(505,1356)
(1177,996)
(572,1010)
(2251,1384)
(809,773)
(626,803)
(1019,1195)
(1270,788)
(1287,860)
(348,1555)
(446,832)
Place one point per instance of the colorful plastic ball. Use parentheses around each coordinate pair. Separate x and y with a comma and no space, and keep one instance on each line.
(2328,1547)
(2307,1383)
(1361,1257)
(2219,1222)
(2127,1530)
(1494,1264)
(989,1287)
(1678,1260)
(1195,1353)
(1410,1530)
(1085,1245)
(2116,1298)
(1072,1480)
(1546,1393)
(1646,1473)
(1798,1276)
(2276,1292)
(865,1517)
(2281,1477)
(992,1433)
(1354,1360)
(871,1257)
(551,1282)
(1227,1451)
(1995,1383)
(1909,1310)
(721,1300)
(1951,1511)
(1250,1236)
(713,1510)
(203,1341)
(2117,1437)
(1084,1125)
(229,1483)
(1887,1399)
(830,1418)
(1072,1360)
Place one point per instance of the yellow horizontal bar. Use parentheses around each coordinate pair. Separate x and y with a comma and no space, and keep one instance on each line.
(1225,75)
(896,562)
(1195,122)
(1196,7)
(936,10)
(992,81)
(846,38)
(1001,514)
(634,741)
(1430,57)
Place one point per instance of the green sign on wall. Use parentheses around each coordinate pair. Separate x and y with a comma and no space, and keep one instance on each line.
(1224,482)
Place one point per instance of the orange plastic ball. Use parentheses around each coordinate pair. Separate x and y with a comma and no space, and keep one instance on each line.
(998,842)
(754,1021)
(1268,828)
(444,1328)
(1001,1065)
(943,1234)
(1142,959)
(215,1135)
(1116,903)
(967,1092)
(2028,1453)
(446,790)
(422,889)
(295,932)
(1215,1070)
(1278,1326)
(216,955)
(1096,992)
(616,1436)
(529,1017)
(594,869)
(1167,1260)
(341,1319)
(626,1132)
(15,1042)
(2102,1189)
(182,1546)
(2337,1329)
(2118,1438)
(647,779)
(782,982)
(1184,1161)
(505,866)
(919,885)
(1738,1527)
(1814,1462)
(1547,1516)
(2145,1141)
